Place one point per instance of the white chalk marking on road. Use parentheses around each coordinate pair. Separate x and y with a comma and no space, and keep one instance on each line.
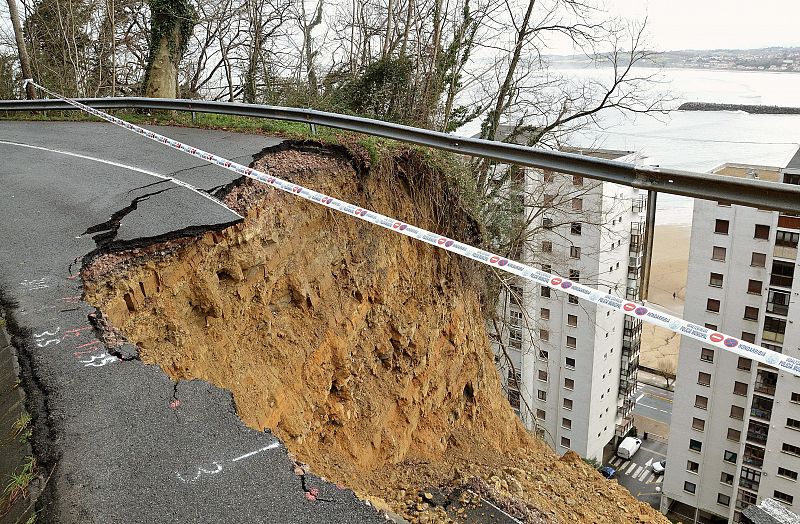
(125,166)
(256,452)
(200,472)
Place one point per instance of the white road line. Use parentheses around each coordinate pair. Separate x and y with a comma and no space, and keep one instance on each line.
(615,461)
(639,398)
(651,407)
(638,471)
(125,166)
(630,468)
(256,452)
(644,474)
(659,479)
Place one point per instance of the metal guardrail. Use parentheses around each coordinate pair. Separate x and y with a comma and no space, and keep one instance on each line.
(755,193)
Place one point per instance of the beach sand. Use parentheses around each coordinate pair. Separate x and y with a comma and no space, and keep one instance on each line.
(668,275)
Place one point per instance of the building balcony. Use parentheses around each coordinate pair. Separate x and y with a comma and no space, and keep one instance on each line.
(753,456)
(765,382)
(624,426)
(785,252)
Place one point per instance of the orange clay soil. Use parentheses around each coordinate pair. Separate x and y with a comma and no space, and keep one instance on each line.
(365,351)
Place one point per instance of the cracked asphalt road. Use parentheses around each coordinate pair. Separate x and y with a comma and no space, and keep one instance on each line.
(117,440)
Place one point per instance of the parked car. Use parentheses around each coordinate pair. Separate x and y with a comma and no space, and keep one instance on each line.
(628,447)
(608,472)
(659,467)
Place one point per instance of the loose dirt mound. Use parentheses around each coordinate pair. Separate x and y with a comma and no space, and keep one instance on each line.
(363,350)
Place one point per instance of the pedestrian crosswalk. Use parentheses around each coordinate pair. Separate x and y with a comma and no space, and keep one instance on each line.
(642,473)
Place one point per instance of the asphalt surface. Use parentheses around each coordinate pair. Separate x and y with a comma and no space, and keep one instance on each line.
(637,477)
(117,440)
(653,402)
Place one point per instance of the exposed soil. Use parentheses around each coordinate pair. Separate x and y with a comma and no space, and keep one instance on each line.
(363,350)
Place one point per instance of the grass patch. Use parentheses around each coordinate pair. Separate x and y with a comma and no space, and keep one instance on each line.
(18,486)
(21,428)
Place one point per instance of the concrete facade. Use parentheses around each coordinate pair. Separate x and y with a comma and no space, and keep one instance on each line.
(576,362)
(735,431)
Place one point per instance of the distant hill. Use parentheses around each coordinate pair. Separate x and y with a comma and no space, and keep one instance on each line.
(767,59)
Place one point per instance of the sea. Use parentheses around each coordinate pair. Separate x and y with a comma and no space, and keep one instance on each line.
(701,140)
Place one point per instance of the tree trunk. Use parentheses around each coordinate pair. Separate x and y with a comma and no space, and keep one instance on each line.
(24,60)
(170,29)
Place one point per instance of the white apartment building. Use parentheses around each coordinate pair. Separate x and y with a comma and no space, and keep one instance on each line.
(575,362)
(735,431)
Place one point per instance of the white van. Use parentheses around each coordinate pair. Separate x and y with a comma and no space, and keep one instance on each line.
(628,447)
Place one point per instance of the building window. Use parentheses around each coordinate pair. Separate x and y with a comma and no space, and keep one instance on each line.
(547,246)
(566,423)
(547,268)
(700,402)
(570,362)
(548,175)
(574,252)
(721,227)
(543,375)
(774,329)
(541,394)
(758,259)
(572,299)
(718,253)
(704,379)
(726,478)
(750,313)
(778,302)
(569,384)
(795,397)
(707,354)
(515,338)
(712,327)
(739,388)
(698,424)
(549,199)
(695,445)
(544,313)
(692,467)
(572,320)
(572,342)
(761,232)
(545,292)
(788,473)
(513,398)
(689,486)
(712,305)
(791,449)
(754,286)
(729,456)
(547,222)
(723,499)
(783,497)
(568,404)
(515,295)
(737,412)
(577,204)
(575,228)
(543,355)
(515,317)
(750,478)
(715,280)
(734,435)
(744,364)
(541,414)
(792,423)
(577,180)
(564,442)
(745,499)
(574,275)
(748,337)
(787,239)
(544,335)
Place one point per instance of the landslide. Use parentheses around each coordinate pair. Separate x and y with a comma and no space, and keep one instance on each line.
(365,351)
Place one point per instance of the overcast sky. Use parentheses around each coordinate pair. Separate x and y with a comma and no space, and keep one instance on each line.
(710,24)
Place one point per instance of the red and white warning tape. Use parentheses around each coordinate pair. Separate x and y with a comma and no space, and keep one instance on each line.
(647,314)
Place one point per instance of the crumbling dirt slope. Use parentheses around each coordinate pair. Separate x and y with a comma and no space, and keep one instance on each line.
(363,350)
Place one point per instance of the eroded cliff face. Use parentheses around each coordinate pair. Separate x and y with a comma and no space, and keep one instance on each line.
(363,350)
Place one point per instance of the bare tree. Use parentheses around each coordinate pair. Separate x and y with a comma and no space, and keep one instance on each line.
(171,25)
(667,367)
(22,51)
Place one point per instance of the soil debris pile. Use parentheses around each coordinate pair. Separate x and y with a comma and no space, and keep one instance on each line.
(365,351)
